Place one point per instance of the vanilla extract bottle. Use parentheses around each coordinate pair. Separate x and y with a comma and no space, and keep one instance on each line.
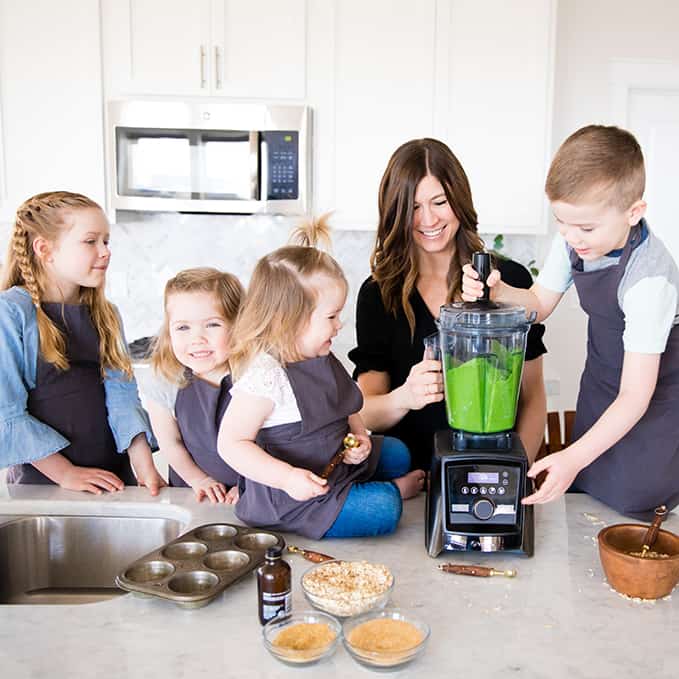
(274,586)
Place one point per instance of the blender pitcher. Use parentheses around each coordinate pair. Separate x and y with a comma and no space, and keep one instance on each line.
(482,353)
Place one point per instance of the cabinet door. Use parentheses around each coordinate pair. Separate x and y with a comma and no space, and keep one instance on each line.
(154,47)
(383,96)
(259,48)
(497,115)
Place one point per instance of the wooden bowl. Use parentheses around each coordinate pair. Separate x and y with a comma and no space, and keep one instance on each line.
(631,575)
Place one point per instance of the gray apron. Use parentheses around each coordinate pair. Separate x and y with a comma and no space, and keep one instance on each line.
(73,401)
(199,409)
(326,396)
(641,471)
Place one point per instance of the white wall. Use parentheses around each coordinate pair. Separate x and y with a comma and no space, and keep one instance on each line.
(590,35)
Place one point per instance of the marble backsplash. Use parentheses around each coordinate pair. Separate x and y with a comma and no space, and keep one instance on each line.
(149,248)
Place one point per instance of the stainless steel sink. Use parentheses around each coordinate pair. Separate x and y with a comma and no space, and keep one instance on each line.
(73,559)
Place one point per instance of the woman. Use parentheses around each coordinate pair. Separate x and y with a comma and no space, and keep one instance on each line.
(427,230)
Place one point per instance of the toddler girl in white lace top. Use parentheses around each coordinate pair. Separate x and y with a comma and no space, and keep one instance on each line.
(293,403)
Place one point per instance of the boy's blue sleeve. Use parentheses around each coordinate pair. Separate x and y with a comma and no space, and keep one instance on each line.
(23,438)
(126,416)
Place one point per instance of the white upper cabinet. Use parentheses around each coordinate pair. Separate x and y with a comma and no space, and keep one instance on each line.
(259,48)
(252,49)
(477,75)
(50,101)
(384,95)
(496,114)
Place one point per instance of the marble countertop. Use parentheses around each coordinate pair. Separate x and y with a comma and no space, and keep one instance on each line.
(557,618)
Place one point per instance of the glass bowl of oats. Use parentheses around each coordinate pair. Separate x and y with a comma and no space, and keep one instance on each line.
(303,638)
(385,639)
(347,588)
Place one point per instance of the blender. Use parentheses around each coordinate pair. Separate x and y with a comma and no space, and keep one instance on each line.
(478,473)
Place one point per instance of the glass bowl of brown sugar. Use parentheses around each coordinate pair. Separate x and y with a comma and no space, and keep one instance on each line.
(303,638)
(385,639)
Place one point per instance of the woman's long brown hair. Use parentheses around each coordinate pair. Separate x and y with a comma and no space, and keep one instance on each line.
(394,262)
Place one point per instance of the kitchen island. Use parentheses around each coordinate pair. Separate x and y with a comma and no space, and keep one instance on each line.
(557,618)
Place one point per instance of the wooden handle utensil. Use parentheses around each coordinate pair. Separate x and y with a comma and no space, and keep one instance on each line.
(652,532)
(310,555)
(478,571)
(349,441)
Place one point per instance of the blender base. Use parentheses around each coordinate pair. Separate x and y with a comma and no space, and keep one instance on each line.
(475,492)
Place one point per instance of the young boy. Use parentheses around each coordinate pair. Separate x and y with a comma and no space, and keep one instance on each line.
(626,449)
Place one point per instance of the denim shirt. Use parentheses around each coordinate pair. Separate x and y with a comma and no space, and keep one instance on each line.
(23,438)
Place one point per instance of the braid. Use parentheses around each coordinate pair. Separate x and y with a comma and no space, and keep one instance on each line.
(20,246)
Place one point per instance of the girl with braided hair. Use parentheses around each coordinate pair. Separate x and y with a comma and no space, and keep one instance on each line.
(69,409)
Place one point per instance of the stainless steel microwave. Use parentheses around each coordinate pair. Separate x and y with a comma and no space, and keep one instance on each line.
(209,157)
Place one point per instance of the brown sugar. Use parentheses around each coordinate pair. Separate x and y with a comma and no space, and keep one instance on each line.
(385,635)
(304,636)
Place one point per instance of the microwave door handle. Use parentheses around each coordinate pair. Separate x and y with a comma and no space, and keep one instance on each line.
(257,190)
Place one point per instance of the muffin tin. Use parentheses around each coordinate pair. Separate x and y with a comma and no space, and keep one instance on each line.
(199,565)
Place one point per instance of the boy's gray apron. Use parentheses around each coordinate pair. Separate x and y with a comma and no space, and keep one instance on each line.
(199,409)
(326,396)
(641,471)
(73,401)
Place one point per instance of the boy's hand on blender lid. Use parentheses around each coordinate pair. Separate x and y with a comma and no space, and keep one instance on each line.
(472,287)
(302,484)
(360,452)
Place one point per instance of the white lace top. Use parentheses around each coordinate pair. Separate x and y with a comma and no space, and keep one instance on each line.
(265,377)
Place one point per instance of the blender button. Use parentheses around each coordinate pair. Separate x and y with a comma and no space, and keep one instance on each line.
(475,490)
(505,482)
(483,490)
(464,490)
(500,491)
(505,474)
(491,490)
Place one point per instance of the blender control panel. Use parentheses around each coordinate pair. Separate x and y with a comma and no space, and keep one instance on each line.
(482,493)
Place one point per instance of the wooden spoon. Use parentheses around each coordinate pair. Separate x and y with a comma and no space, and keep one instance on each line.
(652,532)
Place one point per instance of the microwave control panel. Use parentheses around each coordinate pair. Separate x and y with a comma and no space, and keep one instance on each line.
(282,164)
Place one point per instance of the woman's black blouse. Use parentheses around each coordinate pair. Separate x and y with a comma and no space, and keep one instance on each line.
(384,345)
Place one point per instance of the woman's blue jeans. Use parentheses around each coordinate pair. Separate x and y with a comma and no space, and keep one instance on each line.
(374,507)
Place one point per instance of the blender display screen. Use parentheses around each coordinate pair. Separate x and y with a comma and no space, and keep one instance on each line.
(483,477)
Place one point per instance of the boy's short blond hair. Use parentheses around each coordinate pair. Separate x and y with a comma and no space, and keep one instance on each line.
(598,163)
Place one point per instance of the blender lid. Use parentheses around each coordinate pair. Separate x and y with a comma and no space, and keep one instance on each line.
(483,315)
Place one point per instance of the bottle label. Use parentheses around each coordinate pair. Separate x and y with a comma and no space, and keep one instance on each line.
(276,604)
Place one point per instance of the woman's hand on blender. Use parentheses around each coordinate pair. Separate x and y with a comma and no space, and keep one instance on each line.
(360,452)
(472,287)
(424,385)
(561,472)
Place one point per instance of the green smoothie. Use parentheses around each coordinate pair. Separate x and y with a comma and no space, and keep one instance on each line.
(482,393)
